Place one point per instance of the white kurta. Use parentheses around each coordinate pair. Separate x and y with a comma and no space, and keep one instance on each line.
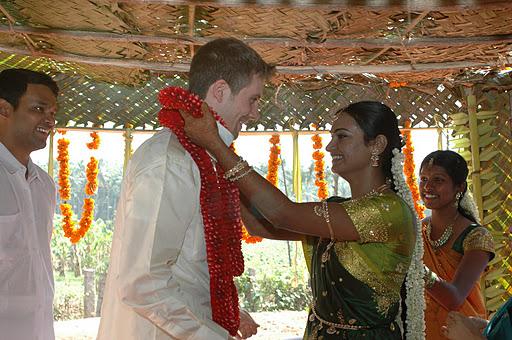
(158,284)
(27,205)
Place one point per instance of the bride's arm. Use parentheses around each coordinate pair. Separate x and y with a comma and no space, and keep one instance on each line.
(258,226)
(273,204)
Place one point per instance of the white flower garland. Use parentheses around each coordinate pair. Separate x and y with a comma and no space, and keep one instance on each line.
(467,203)
(415,283)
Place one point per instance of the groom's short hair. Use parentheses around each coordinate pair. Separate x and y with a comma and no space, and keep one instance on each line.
(228,59)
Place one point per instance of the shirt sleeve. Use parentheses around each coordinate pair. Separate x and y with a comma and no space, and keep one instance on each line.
(159,204)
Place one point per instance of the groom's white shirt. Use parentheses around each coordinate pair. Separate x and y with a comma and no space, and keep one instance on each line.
(158,284)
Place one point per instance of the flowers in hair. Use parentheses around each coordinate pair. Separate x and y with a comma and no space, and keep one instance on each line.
(415,284)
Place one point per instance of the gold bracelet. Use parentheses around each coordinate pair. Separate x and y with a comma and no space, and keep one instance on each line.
(243,174)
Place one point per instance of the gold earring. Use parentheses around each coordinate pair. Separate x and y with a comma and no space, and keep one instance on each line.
(374,160)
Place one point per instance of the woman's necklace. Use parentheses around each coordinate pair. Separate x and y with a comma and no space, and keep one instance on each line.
(447,233)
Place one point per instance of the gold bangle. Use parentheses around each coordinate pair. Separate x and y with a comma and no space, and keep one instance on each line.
(430,278)
(243,174)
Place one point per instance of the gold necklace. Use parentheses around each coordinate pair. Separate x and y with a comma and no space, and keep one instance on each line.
(447,233)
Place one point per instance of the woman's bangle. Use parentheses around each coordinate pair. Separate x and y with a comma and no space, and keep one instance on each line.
(430,278)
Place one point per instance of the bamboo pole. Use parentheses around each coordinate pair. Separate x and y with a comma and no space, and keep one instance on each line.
(338,4)
(307,69)
(128,138)
(475,150)
(190,39)
(50,154)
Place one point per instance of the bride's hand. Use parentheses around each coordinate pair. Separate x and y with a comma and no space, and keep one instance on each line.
(202,131)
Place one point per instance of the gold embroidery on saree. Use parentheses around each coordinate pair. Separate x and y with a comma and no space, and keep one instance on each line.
(367,220)
(385,289)
(479,239)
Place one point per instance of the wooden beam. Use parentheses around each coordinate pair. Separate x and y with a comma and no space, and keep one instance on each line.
(309,69)
(335,4)
(410,27)
(274,41)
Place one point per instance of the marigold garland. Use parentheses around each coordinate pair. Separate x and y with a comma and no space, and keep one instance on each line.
(318,156)
(91,186)
(221,216)
(273,160)
(409,170)
(272,176)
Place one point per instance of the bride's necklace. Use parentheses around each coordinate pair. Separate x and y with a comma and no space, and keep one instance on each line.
(447,233)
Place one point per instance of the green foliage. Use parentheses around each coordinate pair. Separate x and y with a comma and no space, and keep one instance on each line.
(68,302)
(275,277)
(109,186)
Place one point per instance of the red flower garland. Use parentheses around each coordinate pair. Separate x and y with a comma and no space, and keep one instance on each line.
(220,207)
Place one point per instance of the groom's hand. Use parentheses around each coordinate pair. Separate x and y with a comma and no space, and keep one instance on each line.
(248,327)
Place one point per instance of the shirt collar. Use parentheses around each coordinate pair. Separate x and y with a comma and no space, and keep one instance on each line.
(10,162)
(226,136)
(13,165)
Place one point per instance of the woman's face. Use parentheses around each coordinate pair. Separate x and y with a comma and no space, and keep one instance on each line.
(347,147)
(437,189)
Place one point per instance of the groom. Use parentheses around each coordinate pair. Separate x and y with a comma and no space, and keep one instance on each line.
(158,283)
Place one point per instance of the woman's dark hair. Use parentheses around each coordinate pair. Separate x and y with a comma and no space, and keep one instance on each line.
(375,119)
(456,167)
(14,82)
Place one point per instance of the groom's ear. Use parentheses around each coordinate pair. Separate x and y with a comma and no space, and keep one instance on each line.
(218,91)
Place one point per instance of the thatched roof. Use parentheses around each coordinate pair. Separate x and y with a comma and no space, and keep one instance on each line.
(111,57)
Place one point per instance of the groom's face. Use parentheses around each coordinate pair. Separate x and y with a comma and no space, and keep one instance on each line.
(238,109)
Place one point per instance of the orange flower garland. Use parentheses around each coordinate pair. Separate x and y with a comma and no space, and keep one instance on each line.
(409,172)
(273,160)
(318,156)
(273,168)
(65,189)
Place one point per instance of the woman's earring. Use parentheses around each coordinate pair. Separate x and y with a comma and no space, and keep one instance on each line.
(374,160)
(458,196)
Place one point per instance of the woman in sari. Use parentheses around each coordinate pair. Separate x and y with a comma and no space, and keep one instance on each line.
(359,250)
(456,248)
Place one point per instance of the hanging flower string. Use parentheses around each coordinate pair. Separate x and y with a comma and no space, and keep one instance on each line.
(409,170)
(273,160)
(91,186)
(272,176)
(318,157)
(221,216)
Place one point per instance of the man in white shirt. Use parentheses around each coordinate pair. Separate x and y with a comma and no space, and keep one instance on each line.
(158,284)
(28,102)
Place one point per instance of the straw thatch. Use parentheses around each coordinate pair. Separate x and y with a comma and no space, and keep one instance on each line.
(421,58)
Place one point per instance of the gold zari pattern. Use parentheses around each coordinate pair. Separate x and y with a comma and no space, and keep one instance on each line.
(386,290)
(363,216)
(479,239)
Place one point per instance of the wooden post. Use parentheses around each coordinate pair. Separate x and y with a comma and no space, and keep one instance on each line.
(475,150)
(50,154)
(100,288)
(89,295)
